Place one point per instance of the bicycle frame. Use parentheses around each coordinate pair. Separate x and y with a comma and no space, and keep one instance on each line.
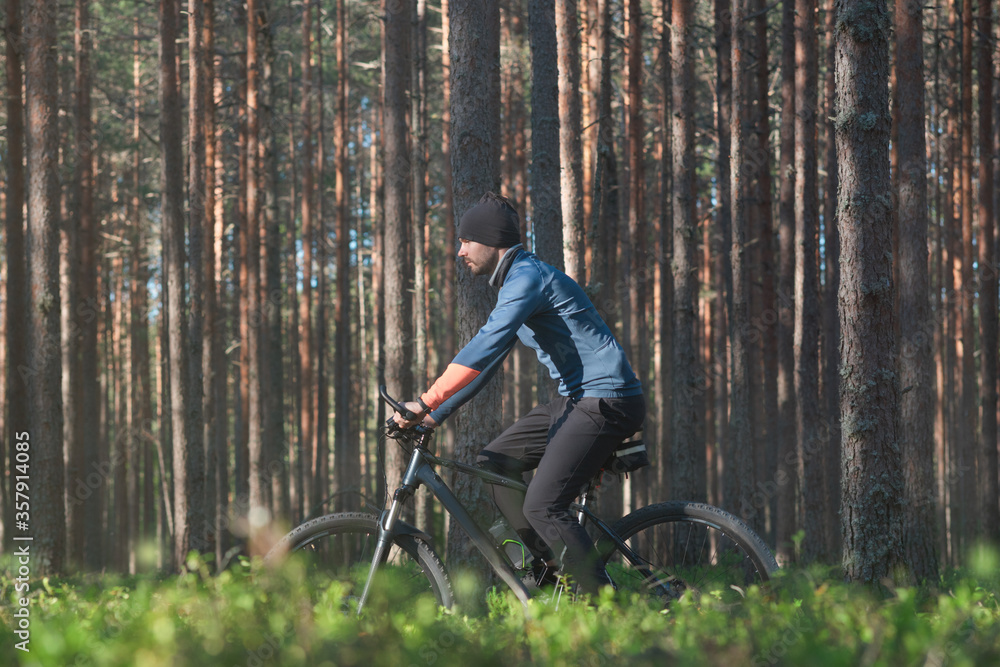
(420,470)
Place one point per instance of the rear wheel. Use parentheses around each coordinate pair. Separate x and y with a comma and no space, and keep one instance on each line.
(683,546)
(340,547)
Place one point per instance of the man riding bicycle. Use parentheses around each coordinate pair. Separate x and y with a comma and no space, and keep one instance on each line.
(565,440)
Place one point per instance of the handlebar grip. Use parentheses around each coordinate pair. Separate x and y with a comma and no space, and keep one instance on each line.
(394,405)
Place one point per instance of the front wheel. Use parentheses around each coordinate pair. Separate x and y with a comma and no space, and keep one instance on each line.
(340,547)
(684,546)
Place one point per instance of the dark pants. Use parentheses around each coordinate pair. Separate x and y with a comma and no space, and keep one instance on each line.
(567,440)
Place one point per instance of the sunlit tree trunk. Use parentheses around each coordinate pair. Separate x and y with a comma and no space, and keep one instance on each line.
(570,148)
(186,521)
(42,368)
(15,294)
(259,488)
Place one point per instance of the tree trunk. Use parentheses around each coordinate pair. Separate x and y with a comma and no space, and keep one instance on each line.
(213,371)
(968,415)
(448,214)
(418,172)
(785,476)
(688,478)
(186,519)
(830,399)
(346,455)
(570,147)
(989,514)
(196,275)
(635,256)
(259,487)
(140,449)
(475,46)
(545,186)
(806,335)
(915,355)
(739,448)
(15,306)
(722,238)
(398,310)
(43,365)
(306,400)
(321,452)
(87,306)
(873,484)
(276,471)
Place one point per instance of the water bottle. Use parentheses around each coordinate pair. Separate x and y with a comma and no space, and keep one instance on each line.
(507,539)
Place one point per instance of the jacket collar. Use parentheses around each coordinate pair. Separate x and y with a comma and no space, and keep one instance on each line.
(503,266)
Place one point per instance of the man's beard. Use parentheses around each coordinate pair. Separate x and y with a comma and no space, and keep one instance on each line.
(482,269)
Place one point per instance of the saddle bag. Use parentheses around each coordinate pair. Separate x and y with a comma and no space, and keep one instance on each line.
(629,457)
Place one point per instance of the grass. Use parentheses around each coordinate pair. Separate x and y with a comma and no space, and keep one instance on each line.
(808,617)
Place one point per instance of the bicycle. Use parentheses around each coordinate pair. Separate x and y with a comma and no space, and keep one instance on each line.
(662,550)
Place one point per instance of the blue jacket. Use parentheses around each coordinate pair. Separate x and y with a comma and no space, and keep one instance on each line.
(552,315)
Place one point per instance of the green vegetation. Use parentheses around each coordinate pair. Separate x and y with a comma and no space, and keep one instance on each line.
(287,618)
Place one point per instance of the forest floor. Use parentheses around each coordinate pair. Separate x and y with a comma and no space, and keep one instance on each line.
(808,617)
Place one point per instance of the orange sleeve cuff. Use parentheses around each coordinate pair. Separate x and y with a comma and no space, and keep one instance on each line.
(452,380)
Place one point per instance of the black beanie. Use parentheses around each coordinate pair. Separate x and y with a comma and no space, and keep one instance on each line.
(493,222)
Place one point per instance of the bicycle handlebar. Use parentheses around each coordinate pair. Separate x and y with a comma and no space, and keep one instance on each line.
(391,402)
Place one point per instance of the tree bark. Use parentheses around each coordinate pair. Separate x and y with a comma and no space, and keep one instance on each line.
(915,354)
(545,186)
(398,305)
(688,478)
(196,234)
(276,471)
(43,363)
(140,450)
(570,147)
(722,238)
(321,452)
(448,214)
(306,399)
(635,255)
(739,452)
(346,454)
(989,515)
(873,484)
(15,306)
(830,366)
(186,519)
(968,415)
(785,477)
(475,86)
(806,335)
(259,487)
